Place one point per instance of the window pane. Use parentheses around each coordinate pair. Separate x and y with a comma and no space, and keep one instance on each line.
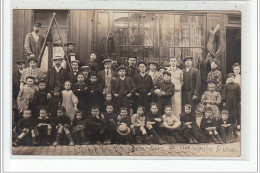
(123,51)
(137,51)
(164,52)
(121,28)
(42,16)
(182,34)
(148,52)
(157,52)
(164,33)
(136,29)
(197,30)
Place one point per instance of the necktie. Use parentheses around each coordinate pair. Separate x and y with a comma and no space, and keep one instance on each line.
(107,72)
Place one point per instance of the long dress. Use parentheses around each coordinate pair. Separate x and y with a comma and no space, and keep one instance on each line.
(68,101)
(232,97)
(177,80)
(25,97)
(215,76)
(215,97)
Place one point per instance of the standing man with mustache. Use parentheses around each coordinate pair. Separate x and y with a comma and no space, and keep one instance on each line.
(33,42)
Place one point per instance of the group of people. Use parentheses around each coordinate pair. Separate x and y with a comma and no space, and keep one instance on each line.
(137,103)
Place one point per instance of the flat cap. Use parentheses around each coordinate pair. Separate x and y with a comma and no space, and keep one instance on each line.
(187,57)
(77,61)
(121,67)
(166,72)
(141,62)
(106,60)
(84,68)
(56,57)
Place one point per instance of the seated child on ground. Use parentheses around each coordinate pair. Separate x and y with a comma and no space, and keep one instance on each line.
(208,126)
(110,118)
(138,126)
(78,128)
(224,127)
(62,123)
(95,126)
(123,127)
(25,126)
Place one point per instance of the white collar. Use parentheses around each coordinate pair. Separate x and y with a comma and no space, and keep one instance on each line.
(57,68)
(122,78)
(21,71)
(142,74)
(187,69)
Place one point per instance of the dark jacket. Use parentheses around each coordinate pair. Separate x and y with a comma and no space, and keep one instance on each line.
(220,121)
(28,123)
(43,121)
(93,65)
(132,71)
(151,117)
(147,83)
(40,99)
(129,82)
(72,77)
(54,103)
(50,77)
(61,120)
(95,124)
(195,80)
(187,118)
(126,120)
(33,47)
(167,87)
(207,122)
(101,77)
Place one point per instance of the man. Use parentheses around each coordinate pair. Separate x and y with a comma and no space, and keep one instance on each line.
(144,86)
(57,75)
(132,70)
(191,83)
(106,76)
(71,54)
(17,76)
(75,70)
(33,42)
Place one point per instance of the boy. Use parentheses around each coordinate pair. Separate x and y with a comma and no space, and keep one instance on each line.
(71,54)
(95,91)
(208,126)
(75,70)
(110,118)
(224,127)
(43,127)
(24,127)
(62,123)
(171,124)
(189,127)
(96,125)
(25,96)
(144,86)
(40,98)
(93,63)
(138,126)
(123,88)
(164,90)
(153,121)
(85,71)
(123,124)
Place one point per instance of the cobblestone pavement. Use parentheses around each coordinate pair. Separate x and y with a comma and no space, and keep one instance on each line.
(201,150)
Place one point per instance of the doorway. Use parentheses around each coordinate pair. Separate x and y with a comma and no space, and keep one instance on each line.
(233,48)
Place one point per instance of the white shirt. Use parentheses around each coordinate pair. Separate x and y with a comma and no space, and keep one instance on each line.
(142,74)
(57,69)
(35,36)
(107,71)
(188,69)
(122,78)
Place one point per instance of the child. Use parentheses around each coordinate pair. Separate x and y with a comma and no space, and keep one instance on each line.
(85,71)
(43,127)
(123,88)
(108,100)
(69,100)
(95,91)
(189,127)
(93,65)
(80,90)
(62,123)
(24,127)
(212,98)
(55,102)
(164,90)
(40,98)
(25,96)
(208,126)
(215,75)
(224,127)
(231,100)
(171,124)
(96,125)
(123,124)
(153,121)
(78,128)
(75,70)
(110,118)
(138,126)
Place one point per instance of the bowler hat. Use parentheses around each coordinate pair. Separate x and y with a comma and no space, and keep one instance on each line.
(56,57)
(187,57)
(121,67)
(69,43)
(166,72)
(122,129)
(106,60)
(37,24)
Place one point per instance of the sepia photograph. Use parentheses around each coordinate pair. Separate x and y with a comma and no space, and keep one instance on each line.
(126,83)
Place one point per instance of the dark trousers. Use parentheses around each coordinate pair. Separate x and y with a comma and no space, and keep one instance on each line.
(187,99)
(110,132)
(123,101)
(96,134)
(194,132)
(142,100)
(172,136)
(226,132)
(163,101)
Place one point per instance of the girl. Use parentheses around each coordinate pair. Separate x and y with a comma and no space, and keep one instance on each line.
(69,100)
(236,69)
(78,128)
(55,101)
(62,123)
(215,75)
(208,126)
(212,98)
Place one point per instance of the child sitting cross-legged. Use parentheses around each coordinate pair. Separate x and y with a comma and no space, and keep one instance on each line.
(208,126)
(171,126)
(43,128)
(189,127)
(62,123)
(95,126)
(110,118)
(138,126)
(224,127)
(78,128)
(123,127)
(24,127)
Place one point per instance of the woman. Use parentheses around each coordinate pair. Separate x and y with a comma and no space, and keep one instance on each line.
(32,70)
(177,80)
(156,76)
